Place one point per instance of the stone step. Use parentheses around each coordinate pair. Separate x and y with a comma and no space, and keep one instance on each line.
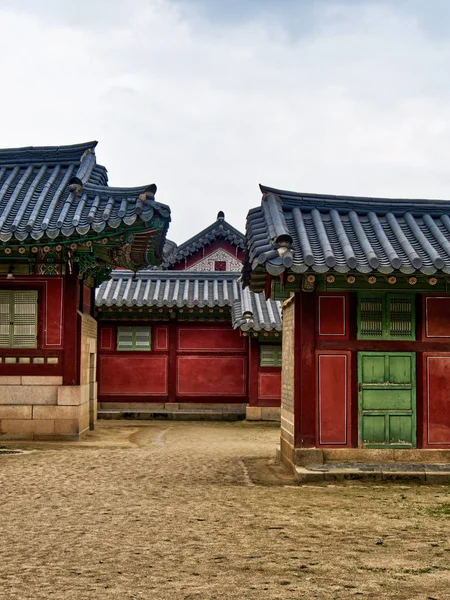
(174,415)
(436,473)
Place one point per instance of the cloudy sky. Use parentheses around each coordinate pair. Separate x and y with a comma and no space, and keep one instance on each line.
(207,98)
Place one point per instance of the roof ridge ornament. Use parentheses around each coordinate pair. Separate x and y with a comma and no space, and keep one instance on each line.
(148,193)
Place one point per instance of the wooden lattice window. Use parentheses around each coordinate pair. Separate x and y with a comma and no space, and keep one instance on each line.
(134,338)
(386,316)
(371,317)
(401,317)
(18,318)
(270,355)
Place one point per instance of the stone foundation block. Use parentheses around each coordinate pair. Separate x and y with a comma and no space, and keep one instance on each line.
(56,412)
(28,394)
(67,427)
(84,423)
(10,380)
(17,426)
(69,395)
(253,413)
(15,412)
(342,455)
(270,413)
(308,457)
(43,427)
(41,380)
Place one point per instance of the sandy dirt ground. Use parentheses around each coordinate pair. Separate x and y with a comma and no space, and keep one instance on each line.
(198,511)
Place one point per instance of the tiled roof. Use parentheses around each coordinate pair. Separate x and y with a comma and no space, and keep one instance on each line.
(48,192)
(220,229)
(191,289)
(264,315)
(300,232)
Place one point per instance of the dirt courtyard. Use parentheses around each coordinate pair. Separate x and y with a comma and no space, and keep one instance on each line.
(198,511)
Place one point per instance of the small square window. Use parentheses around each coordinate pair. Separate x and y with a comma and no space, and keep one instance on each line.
(220,265)
(134,338)
(270,355)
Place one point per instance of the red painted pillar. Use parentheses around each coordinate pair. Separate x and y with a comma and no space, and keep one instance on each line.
(253,368)
(172,364)
(72,331)
(305,370)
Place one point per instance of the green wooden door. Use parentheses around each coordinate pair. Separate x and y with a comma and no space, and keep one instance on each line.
(387,399)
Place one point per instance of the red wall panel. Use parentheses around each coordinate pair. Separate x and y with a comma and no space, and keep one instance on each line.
(269,385)
(106,338)
(161,338)
(211,375)
(332,320)
(207,339)
(53,336)
(437,399)
(87,299)
(437,317)
(333,378)
(133,375)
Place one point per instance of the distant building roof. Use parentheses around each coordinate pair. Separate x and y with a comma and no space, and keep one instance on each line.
(320,233)
(153,288)
(61,192)
(220,229)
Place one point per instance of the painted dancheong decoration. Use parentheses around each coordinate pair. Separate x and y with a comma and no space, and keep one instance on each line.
(210,343)
(366,321)
(62,231)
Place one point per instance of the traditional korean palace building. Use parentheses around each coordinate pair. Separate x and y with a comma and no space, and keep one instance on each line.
(187,339)
(62,231)
(366,321)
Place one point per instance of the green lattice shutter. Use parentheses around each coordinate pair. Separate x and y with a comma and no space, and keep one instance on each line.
(125,338)
(270,355)
(5,319)
(386,316)
(401,317)
(142,338)
(18,319)
(370,317)
(134,338)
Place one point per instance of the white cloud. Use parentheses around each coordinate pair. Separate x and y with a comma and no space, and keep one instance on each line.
(356,104)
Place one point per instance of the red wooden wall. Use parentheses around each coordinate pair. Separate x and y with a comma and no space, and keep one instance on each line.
(48,357)
(334,397)
(187,362)
(436,410)
(333,316)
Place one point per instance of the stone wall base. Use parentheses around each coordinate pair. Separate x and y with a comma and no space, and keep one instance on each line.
(263,413)
(193,411)
(312,457)
(41,408)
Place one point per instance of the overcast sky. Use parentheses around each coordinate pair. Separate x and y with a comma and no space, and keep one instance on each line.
(208,98)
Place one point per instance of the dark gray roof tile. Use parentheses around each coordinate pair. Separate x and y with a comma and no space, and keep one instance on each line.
(60,190)
(155,288)
(342,233)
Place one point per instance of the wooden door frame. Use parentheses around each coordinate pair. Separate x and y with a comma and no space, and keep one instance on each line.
(413,356)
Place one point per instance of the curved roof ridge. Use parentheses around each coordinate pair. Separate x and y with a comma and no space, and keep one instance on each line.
(220,228)
(363,203)
(165,274)
(46,154)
